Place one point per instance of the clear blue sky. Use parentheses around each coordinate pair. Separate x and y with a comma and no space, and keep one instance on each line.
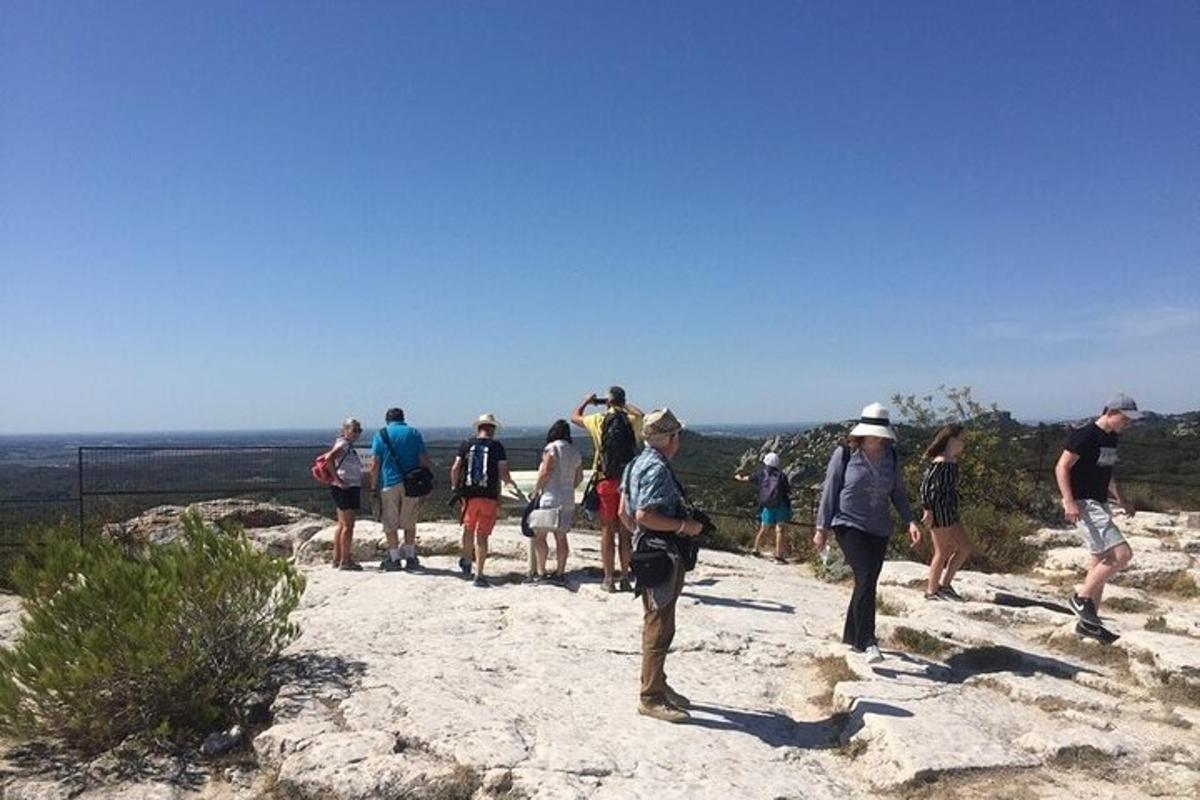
(248,215)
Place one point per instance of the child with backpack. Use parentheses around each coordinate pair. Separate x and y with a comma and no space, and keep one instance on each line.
(478,471)
(775,504)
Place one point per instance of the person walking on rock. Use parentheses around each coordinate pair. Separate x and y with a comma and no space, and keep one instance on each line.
(652,500)
(346,491)
(861,479)
(939,498)
(477,473)
(615,434)
(1084,474)
(560,472)
(775,504)
(398,449)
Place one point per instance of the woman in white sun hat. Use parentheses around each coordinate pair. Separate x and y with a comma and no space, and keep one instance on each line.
(863,478)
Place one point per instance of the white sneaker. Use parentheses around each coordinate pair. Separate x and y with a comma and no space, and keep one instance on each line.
(873,655)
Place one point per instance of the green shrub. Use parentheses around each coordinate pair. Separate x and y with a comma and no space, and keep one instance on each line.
(168,641)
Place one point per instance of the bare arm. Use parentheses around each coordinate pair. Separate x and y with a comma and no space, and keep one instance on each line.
(653,520)
(1062,475)
(506,477)
(455,471)
(577,414)
(330,460)
(1115,493)
(632,409)
(544,470)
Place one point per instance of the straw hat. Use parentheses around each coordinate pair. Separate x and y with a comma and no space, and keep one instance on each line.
(874,422)
(661,422)
(487,419)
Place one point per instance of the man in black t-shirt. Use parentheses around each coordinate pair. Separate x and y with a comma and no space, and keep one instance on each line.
(1085,478)
(478,470)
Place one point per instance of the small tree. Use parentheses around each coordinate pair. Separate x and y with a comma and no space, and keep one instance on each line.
(169,640)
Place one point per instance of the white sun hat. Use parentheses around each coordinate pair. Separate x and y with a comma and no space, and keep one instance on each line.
(771,460)
(874,422)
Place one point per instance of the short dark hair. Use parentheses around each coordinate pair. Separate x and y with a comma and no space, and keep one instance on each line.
(616,395)
(560,431)
(394,415)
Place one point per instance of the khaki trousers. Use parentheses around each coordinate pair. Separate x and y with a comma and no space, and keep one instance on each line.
(658,629)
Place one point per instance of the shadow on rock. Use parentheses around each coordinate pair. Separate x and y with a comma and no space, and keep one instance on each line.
(126,764)
(1017,601)
(752,605)
(780,730)
(966,664)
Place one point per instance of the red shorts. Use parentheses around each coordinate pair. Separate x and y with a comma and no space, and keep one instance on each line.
(480,515)
(608,492)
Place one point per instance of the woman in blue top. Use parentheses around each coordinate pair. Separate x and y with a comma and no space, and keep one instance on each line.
(863,479)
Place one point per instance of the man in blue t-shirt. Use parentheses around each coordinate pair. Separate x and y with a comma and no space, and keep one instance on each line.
(398,449)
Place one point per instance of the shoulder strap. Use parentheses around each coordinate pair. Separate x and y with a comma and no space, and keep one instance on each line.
(387,440)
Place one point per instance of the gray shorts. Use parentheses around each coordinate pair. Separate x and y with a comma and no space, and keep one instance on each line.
(1096,527)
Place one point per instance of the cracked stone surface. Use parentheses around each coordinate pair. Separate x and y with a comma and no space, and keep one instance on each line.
(421,685)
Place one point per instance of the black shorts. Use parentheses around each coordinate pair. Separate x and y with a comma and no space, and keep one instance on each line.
(348,499)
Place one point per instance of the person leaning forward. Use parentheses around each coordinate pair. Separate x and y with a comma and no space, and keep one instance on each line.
(652,503)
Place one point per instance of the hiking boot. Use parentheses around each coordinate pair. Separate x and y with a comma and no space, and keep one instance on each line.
(625,585)
(1097,632)
(873,655)
(607,586)
(1085,609)
(663,711)
(947,593)
(412,563)
(481,582)
(351,566)
(677,700)
(390,564)
(464,567)
(938,596)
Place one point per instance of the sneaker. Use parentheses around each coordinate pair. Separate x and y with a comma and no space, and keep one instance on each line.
(481,582)
(935,596)
(1085,609)
(412,563)
(1097,632)
(535,579)
(626,586)
(677,700)
(873,655)
(947,593)
(464,567)
(351,566)
(390,564)
(780,560)
(607,586)
(663,711)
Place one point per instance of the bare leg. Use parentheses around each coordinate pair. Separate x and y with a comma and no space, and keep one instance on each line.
(608,537)
(561,549)
(779,552)
(481,553)
(337,540)
(626,548)
(542,549)
(1102,569)
(468,548)
(941,542)
(960,552)
(758,539)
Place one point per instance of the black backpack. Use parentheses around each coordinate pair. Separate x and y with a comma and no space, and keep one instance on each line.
(772,490)
(478,470)
(618,444)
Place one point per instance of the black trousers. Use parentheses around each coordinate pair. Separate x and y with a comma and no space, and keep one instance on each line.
(864,554)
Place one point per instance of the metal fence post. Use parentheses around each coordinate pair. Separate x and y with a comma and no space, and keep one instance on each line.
(79,488)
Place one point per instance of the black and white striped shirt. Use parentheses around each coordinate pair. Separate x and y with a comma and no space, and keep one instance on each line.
(939,492)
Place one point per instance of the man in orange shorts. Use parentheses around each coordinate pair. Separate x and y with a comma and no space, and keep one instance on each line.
(616,436)
(478,470)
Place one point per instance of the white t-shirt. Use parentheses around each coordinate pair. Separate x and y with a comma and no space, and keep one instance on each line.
(349,469)
(559,491)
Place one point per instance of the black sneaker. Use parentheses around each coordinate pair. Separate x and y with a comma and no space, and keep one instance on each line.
(412,563)
(626,586)
(390,564)
(947,592)
(464,567)
(935,596)
(481,582)
(535,579)
(1085,609)
(1097,632)
(351,566)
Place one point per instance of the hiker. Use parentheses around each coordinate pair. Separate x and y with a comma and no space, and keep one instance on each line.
(1084,473)
(478,470)
(652,500)
(346,491)
(399,450)
(939,498)
(775,504)
(862,476)
(615,434)
(560,472)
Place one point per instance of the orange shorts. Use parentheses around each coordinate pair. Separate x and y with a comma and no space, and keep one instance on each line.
(480,515)
(608,492)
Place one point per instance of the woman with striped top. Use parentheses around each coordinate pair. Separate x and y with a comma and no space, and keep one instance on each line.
(939,496)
